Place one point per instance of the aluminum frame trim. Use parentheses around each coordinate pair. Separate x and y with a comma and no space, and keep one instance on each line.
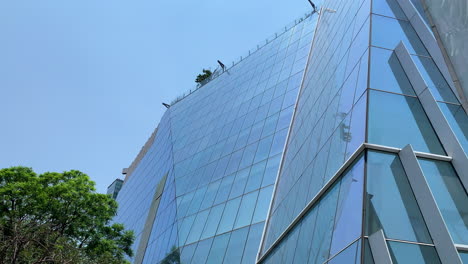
(461,247)
(434,221)
(379,248)
(441,126)
(433,48)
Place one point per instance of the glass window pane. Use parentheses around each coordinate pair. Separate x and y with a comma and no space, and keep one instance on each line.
(271,170)
(290,244)
(187,253)
(389,32)
(236,246)
(246,209)
(464,257)
(387,73)
(210,195)
(248,156)
(324,227)
(263,149)
(278,142)
(434,79)
(263,204)
(229,215)
(355,135)
(253,242)
(202,251)
(397,121)
(213,221)
(346,94)
(368,258)
(305,236)
(197,227)
(411,253)
(348,219)
(238,185)
(218,248)
(450,196)
(255,177)
(350,255)
(361,84)
(224,189)
(458,121)
(389,8)
(184,229)
(390,202)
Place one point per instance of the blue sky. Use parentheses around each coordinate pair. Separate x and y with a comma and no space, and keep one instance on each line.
(82,82)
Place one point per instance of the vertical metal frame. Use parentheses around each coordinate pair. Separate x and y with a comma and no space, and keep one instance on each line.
(378,246)
(435,223)
(441,126)
(430,42)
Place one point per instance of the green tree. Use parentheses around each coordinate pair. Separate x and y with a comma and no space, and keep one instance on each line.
(58,218)
(201,77)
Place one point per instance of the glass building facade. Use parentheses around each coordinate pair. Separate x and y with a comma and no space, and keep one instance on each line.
(374,169)
(114,189)
(216,153)
(342,140)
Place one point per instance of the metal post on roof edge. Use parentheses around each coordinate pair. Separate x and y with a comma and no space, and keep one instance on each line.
(222,65)
(313,6)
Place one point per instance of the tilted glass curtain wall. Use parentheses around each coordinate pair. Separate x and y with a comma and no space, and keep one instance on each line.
(137,193)
(328,126)
(224,143)
(341,178)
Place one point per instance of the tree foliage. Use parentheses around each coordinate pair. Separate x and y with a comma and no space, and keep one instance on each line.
(201,77)
(58,218)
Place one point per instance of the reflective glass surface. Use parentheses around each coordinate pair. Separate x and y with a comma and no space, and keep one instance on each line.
(330,116)
(464,256)
(387,73)
(389,8)
(434,79)
(403,253)
(368,258)
(350,255)
(450,196)
(390,202)
(348,218)
(220,146)
(397,121)
(458,121)
(329,227)
(389,32)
